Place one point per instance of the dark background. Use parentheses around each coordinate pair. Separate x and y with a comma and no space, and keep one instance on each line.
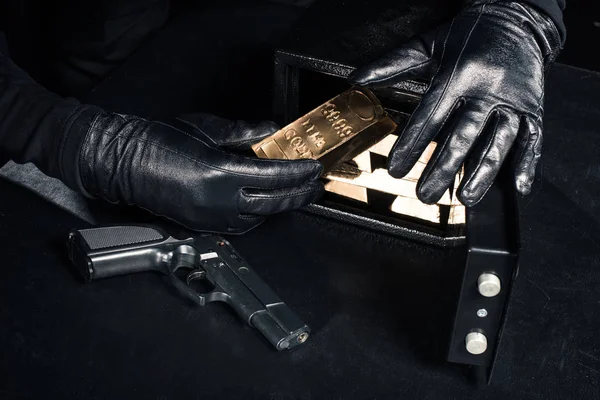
(28,19)
(582,18)
(380,310)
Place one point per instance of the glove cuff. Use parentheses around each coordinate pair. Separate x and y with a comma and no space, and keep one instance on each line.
(546,32)
(76,131)
(528,17)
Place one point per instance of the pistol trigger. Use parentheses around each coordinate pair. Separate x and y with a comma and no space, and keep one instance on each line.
(208,256)
(195,275)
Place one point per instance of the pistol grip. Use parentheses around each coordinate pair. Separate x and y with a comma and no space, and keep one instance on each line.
(104,252)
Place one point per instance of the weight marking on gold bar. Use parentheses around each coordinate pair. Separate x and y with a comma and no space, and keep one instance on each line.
(334,132)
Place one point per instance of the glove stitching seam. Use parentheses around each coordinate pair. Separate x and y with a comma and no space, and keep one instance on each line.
(246,141)
(429,59)
(424,176)
(250,217)
(232,143)
(267,197)
(382,79)
(194,126)
(215,148)
(507,106)
(195,160)
(242,141)
(434,162)
(522,158)
(187,134)
(487,150)
(439,101)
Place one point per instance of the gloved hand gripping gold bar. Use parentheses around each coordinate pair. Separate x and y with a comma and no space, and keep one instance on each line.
(343,134)
(336,131)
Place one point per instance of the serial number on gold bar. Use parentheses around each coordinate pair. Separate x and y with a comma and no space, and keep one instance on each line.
(334,132)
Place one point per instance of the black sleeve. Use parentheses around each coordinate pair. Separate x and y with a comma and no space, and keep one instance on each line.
(554,9)
(40,127)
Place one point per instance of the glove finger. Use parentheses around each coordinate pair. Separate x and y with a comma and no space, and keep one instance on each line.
(267,202)
(482,168)
(461,134)
(426,121)
(413,60)
(245,134)
(264,173)
(224,132)
(529,151)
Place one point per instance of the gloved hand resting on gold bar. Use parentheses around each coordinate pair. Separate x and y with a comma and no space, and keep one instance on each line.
(486,69)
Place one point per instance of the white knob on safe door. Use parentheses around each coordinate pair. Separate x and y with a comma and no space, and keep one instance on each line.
(476,343)
(488,285)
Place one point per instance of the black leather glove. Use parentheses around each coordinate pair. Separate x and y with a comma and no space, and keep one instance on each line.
(184,169)
(486,69)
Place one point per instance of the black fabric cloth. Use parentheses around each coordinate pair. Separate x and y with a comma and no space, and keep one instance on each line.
(40,127)
(237,41)
(69,46)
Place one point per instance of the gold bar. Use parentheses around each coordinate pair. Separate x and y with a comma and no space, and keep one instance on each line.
(348,190)
(416,209)
(332,133)
(349,178)
(382,181)
(343,134)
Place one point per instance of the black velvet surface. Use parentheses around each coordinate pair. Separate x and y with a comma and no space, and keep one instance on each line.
(209,58)
(379,307)
(356,32)
(583,28)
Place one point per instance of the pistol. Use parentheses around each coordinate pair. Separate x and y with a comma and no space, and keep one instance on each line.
(103,252)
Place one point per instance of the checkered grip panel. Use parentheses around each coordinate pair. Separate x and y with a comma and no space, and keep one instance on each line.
(113,236)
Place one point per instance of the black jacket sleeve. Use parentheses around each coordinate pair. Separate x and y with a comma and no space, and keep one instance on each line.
(40,127)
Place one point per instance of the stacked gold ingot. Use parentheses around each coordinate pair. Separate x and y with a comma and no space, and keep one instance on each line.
(353,180)
(354,126)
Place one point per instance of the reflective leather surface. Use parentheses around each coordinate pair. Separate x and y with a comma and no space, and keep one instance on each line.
(486,68)
(184,169)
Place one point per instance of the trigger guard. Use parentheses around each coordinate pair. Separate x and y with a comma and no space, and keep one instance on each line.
(195,276)
(186,291)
